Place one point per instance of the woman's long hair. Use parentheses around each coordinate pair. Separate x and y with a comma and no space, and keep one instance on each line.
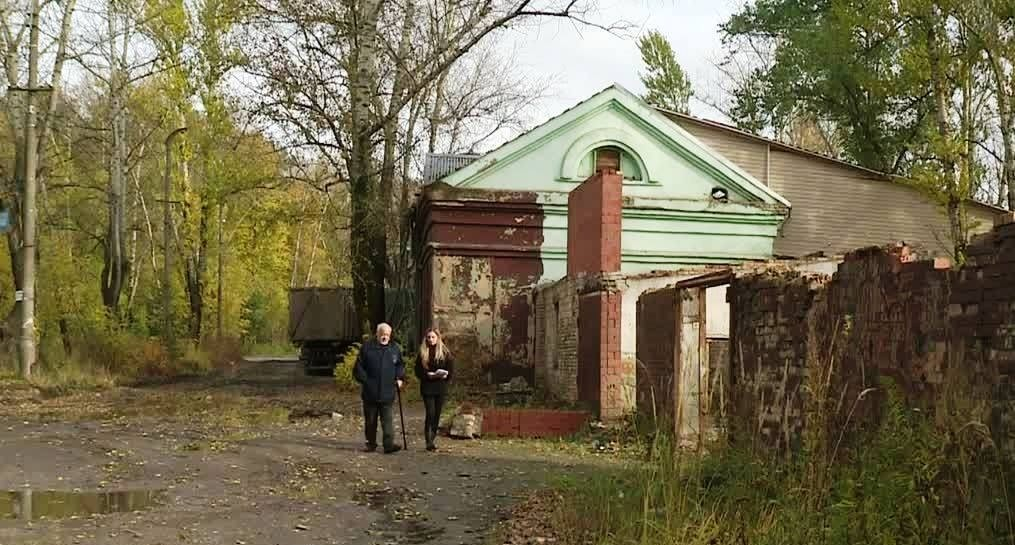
(441,351)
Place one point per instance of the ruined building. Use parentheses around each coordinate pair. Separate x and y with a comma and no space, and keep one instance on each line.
(493,231)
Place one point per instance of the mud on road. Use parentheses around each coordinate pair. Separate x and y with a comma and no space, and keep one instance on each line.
(252,456)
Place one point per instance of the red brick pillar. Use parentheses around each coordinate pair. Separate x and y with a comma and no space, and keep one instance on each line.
(594,212)
(593,225)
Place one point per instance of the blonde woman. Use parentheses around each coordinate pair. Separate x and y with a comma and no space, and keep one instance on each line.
(433,368)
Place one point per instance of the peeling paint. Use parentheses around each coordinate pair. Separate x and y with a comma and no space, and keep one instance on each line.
(482,250)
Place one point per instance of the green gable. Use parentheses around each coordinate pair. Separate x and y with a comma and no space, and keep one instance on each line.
(670,218)
(668,161)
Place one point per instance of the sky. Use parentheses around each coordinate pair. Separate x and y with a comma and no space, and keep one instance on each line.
(584,60)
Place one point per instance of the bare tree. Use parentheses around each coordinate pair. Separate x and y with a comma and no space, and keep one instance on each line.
(342,75)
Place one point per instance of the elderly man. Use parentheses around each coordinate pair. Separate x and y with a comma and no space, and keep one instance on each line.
(380,370)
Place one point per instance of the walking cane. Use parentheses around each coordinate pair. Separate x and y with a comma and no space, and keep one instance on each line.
(401,416)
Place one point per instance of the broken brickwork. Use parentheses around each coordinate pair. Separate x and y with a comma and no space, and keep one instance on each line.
(811,350)
(556,339)
(594,211)
(576,341)
(600,369)
(981,333)
(677,372)
(768,330)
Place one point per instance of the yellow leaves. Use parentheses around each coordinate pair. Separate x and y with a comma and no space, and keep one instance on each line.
(167,23)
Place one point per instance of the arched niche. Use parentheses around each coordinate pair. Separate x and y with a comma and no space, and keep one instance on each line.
(581,157)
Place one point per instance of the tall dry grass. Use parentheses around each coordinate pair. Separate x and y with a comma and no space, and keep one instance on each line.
(904,477)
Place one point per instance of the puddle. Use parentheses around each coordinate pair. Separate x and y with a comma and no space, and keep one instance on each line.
(30,504)
(402,523)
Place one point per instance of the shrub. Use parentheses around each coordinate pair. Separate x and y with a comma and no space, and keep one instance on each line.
(343,371)
(224,352)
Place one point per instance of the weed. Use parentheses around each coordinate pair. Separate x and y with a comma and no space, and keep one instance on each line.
(895,475)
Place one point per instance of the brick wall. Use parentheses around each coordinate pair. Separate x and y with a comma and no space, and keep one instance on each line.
(940,335)
(600,371)
(532,422)
(981,332)
(769,330)
(556,339)
(594,211)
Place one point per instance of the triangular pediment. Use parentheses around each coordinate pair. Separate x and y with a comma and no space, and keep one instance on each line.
(669,162)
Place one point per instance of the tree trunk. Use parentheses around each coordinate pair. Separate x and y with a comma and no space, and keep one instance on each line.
(68,347)
(949,163)
(27,344)
(116,266)
(1007,183)
(367,229)
(196,275)
(14,238)
(221,270)
(17,233)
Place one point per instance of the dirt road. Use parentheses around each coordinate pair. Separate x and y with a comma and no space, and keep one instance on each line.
(253,456)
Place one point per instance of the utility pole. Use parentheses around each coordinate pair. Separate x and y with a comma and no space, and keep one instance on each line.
(27,342)
(167,299)
(221,248)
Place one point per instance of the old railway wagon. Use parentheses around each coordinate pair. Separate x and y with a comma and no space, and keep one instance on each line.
(322,324)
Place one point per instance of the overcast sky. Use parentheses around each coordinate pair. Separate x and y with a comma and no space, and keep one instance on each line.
(582,61)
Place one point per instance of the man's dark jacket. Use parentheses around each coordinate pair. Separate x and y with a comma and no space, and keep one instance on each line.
(377,368)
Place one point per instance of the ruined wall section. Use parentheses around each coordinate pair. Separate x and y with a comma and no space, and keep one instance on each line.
(981,332)
(600,368)
(810,353)
(768,364)
(594,215)
(478,257)
(556,339)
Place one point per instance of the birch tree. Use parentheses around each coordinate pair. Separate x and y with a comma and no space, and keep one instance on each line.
(31,109)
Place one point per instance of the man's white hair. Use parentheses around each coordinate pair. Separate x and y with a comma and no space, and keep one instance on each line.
(382,326)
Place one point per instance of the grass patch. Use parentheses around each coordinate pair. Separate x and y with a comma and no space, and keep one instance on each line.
(72,377)
(270,349)
(904,482)
(118,359)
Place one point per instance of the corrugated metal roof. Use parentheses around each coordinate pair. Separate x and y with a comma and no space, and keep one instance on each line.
(439,165)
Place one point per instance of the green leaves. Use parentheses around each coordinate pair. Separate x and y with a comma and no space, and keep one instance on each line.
(843,61)
(666,84)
